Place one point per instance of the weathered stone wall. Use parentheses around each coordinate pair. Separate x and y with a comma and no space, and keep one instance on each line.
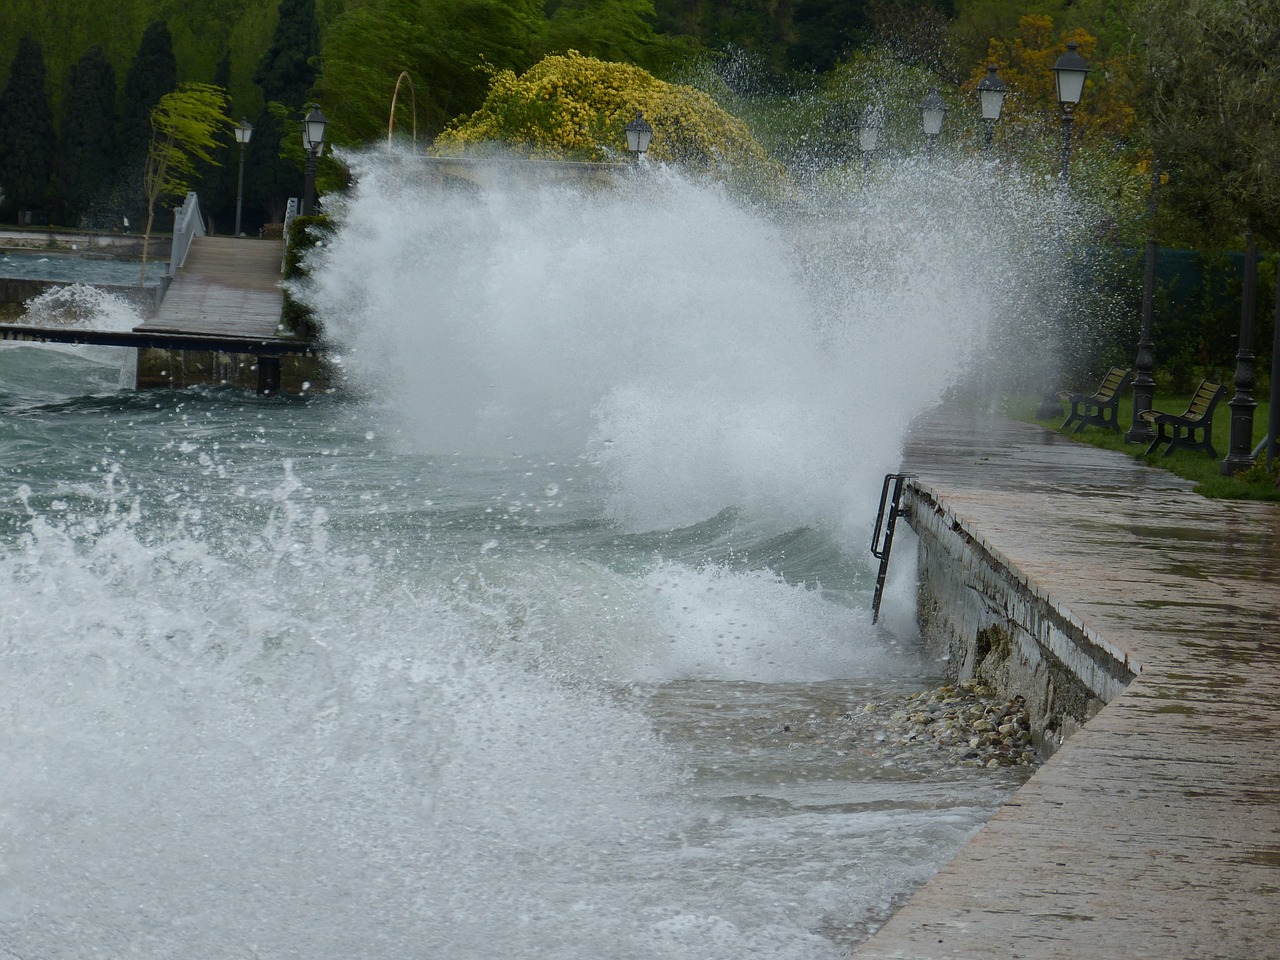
(991,623)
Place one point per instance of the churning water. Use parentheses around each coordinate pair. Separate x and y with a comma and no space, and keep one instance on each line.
(504,650)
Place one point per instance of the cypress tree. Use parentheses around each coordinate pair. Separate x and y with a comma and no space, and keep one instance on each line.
(286,74)
(215,182)
(153,73)
(27,139)
(286,71)
(88,135)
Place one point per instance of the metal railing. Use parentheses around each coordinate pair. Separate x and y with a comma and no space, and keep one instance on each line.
(290,211)
(187,225)
(882,535)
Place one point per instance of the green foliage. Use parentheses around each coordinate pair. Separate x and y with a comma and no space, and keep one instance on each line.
(286,71)
(285,75)
(576,107)
(1214,103)
(617,30)
(88,134)
(186,127)
(26,131)
(875,80)
(304,233)
(216,182)
(827,31)
(450,48)
(153,73)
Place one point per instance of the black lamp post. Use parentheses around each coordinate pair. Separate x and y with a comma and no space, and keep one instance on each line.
(991,93)
(1273,424)
(1069,72)
(1240,456)
(933,109)
(639,136)
(313,142)
(244,131)
(1144,385)
(1069,75)
(868,134)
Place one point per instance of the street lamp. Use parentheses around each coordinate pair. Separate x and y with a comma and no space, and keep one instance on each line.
(1240,456)
(639,136)
(932,111)
(1144,385)
(991,93)
(868,134)
(1069,73)
(313,142)
(244,131)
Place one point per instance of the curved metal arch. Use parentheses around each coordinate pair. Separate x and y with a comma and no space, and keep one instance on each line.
(413,101)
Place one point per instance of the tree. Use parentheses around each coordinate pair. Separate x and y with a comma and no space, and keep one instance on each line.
(441,45)
(577,107)
(1026,58)
(1214,102)
(1215,113)
(827,31)
(26,131)
(216,182)
(152,75)
(88,134)
(618,30)
(285,75)
(186,128)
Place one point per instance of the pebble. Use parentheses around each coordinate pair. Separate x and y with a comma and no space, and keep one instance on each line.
(966,722)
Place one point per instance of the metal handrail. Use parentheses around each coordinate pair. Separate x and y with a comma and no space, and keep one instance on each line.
(290,211)
(187,225)
(882,535)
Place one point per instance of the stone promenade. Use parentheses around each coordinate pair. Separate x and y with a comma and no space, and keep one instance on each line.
(1155,830)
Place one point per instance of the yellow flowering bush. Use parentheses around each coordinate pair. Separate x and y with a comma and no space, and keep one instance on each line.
(573,107)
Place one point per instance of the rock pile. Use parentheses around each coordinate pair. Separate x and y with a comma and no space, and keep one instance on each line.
(967,722)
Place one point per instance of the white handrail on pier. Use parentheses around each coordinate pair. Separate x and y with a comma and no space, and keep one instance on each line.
(290,211)
(187,225)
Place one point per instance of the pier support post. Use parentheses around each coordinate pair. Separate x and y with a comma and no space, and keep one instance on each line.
(268,376)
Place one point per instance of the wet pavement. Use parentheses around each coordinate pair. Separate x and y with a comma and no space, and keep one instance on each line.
(1155,830)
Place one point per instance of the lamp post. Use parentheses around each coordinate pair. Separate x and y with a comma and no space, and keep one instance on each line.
(313,142)
(1240,456)
(869,134)
(639,136)
(933,109)
(244,131)
(1144,385)
(1273,423)
(991,93)
(1069,73)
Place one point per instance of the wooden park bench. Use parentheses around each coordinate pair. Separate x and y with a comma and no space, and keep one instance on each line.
(1183,427)
(1100,408)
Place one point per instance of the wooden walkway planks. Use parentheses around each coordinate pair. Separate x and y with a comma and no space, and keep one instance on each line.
(1155,830)
(229,286)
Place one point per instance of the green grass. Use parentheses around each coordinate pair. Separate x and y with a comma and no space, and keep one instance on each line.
(1196,466)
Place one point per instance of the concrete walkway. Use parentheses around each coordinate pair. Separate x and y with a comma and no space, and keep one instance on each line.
(1155,830)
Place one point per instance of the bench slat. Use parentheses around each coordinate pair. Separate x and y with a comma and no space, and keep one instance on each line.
(1183,427)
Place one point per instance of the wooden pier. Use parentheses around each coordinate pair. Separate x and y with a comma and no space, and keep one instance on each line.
(219,323)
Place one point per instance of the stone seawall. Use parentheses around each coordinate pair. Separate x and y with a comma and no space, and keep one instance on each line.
(977,610)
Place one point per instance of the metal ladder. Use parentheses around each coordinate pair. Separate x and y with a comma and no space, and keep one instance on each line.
(882,536)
